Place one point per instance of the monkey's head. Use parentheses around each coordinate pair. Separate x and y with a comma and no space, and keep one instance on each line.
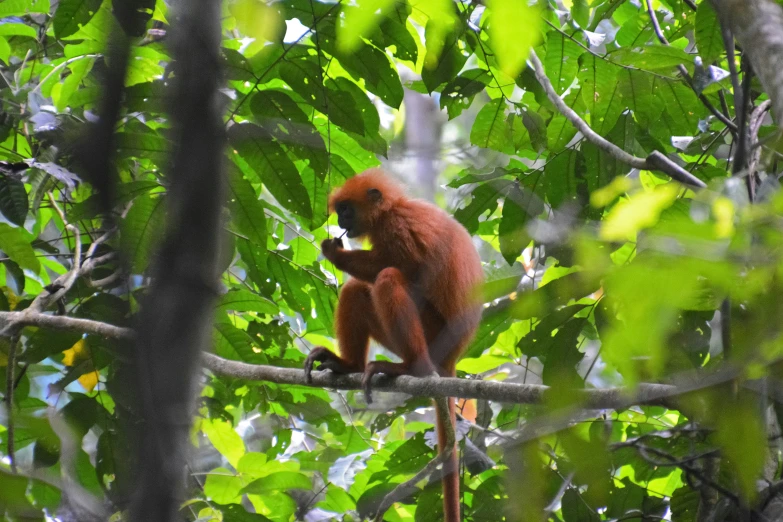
(363,200)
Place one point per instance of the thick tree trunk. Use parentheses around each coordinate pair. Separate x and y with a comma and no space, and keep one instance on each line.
(175,323)
(758,27)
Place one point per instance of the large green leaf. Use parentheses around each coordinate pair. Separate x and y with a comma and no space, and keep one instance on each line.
(16,245)
(247,213)
(13,199)
(241,300)
(600,92)
(709,40)
(270,162)
(141,229)
(490,131)
(562,60)
(71,14)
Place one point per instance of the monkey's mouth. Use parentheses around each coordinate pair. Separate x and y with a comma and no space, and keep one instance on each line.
(351,232)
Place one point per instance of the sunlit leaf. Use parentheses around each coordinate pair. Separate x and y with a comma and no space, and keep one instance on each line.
(515,27)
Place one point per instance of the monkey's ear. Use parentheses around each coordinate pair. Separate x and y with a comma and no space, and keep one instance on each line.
(374,195)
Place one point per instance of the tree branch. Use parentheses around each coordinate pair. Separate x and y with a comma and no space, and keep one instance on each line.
(655,161)
(606,398)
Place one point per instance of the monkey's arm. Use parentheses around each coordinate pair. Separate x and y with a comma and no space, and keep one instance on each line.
(361,264)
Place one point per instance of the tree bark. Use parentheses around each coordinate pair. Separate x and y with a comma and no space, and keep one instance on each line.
(758,27)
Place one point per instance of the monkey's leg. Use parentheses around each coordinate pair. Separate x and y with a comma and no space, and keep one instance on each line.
(355,320)
(403,330)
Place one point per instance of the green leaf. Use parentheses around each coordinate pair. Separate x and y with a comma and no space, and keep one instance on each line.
(444,58)
(485,198)
(222,486)
(360,21)
(280,481)
(11,29)
(636,90)
(141,229)
(143,145)
(600,92)
(241,300)
(9,8)
(275,170)
(13,199)
(741,437)
(562,60)
(396,31)
(683,108)
(224,438)
(519,206)
(370,64)
(709,40)
(247,212)
(514,28)
(16,245)
(489,130)
(458,94)
(652,58)
(560,177)
(72,14)
(235,344)
(287,123)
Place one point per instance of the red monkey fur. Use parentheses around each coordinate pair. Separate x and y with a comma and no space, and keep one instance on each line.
(414,292)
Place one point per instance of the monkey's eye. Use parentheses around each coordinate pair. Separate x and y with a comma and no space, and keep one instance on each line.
(341,207)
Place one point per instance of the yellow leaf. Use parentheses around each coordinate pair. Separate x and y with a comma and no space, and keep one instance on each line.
(640,211)
(603,196)
(89,380)
(723,210)
(514,28)
(360,21)
(76,353)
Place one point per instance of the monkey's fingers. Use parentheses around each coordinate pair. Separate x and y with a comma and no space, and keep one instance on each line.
(319,354)
(367,386)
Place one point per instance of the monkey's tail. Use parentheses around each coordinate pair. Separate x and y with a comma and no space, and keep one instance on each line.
(451,500)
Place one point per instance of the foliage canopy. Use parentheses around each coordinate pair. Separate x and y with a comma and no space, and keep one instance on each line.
(598,274)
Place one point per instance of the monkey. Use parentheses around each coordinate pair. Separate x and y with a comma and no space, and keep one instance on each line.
(415,292)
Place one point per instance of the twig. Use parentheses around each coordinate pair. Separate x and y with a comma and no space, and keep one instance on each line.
(655,161)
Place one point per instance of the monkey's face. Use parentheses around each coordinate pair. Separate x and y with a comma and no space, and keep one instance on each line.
(347,218)
(355,217)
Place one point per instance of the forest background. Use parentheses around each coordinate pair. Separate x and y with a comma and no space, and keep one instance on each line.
(163,186)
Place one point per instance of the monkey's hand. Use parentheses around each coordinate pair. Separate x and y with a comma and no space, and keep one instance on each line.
(328,360)
(331,247)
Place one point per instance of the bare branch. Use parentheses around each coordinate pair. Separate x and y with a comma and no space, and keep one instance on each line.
(656,160)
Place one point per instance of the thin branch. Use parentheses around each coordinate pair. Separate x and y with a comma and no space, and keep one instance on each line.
(655,161)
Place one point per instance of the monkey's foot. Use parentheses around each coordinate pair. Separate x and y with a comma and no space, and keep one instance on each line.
(329,361)
(392,369)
